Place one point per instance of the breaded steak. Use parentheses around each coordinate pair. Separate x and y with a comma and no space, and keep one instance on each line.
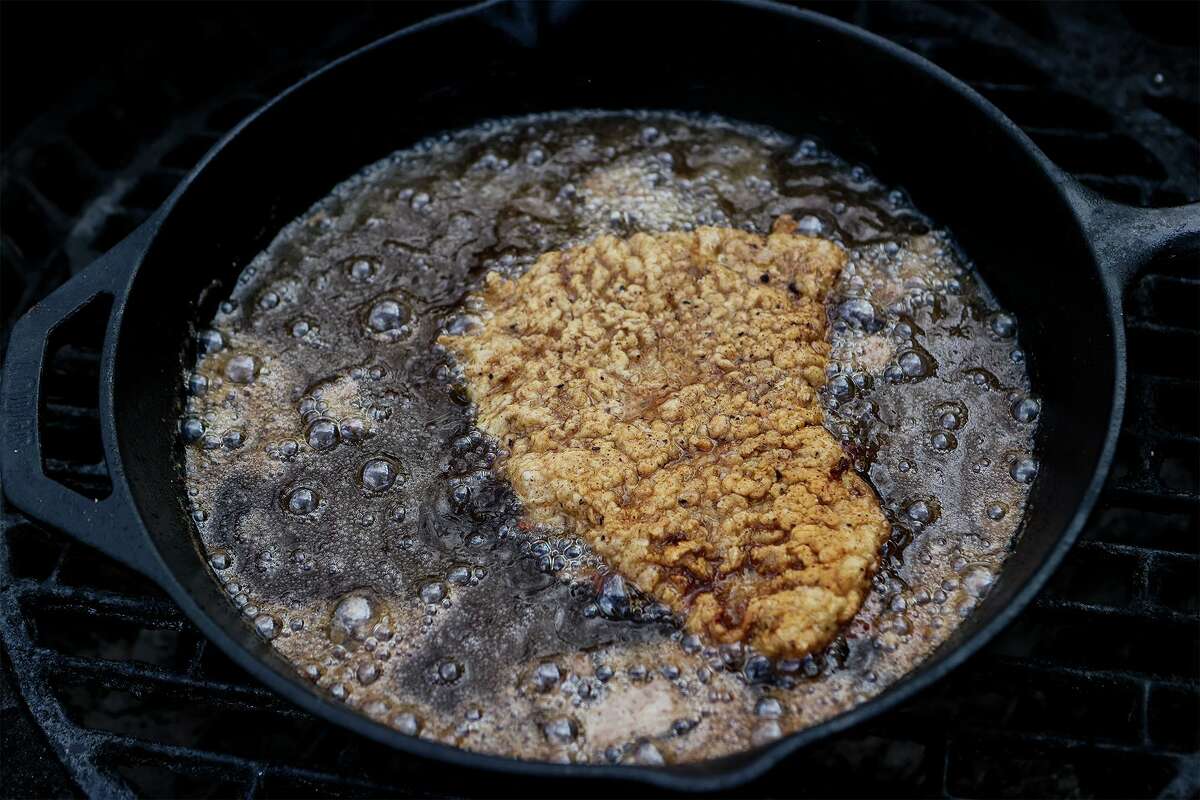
(658,396)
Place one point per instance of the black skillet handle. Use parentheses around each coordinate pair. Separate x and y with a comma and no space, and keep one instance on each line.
(1126,238)
(107,524)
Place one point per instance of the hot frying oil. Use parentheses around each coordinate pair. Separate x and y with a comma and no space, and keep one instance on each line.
(352,511)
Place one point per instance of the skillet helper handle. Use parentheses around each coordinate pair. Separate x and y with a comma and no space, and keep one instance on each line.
(1126,238)
(107,524)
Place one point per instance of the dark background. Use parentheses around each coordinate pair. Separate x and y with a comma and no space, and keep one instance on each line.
(1095,691)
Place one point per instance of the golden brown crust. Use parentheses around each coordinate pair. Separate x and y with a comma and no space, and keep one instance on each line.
(659,395)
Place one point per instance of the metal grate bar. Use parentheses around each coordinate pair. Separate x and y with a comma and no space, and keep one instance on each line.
(119,674)
(1036,666)
(1143,611)
(143,611)
(252,771)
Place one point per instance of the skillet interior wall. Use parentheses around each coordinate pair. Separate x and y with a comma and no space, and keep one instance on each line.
(745,63)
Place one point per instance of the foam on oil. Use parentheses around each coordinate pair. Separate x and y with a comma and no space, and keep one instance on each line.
(350,509)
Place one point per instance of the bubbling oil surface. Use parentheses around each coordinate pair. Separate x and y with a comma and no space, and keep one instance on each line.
(352,512)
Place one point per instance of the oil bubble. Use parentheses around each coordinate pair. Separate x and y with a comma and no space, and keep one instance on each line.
(367,673)
(1026,409)
(810,225)
(767,732)
(977,580)
(1004,325)
(266,626)
(951,416)
(353,617)
(546,676)
(322,434)
(433,592)
(614,598)
(840,387)
(449,671)
(191,429)
(362,269)
(302,500)
(860,314)
(681,727)
(646,753)
(768,707)
(1023,470)
(268,561)
(924,511)
(387,316)
(463,323)
(758,669)
(210,341)
(302,327)
(407,723)
(379,474)
(943,440)
(561,731)
(241,369)
(912,364)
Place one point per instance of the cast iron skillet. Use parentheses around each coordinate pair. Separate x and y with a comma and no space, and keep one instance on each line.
(1053,252)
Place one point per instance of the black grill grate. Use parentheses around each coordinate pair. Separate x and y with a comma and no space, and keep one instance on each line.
(1094,691)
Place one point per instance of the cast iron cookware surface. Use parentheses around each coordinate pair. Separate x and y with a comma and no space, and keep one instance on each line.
(1051,252)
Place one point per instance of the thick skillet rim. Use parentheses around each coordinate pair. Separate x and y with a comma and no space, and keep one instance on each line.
(706,775)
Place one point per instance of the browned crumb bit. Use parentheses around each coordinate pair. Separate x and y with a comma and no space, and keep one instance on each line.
(659,396)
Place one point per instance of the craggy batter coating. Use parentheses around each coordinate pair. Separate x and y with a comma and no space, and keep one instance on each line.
(659,396)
